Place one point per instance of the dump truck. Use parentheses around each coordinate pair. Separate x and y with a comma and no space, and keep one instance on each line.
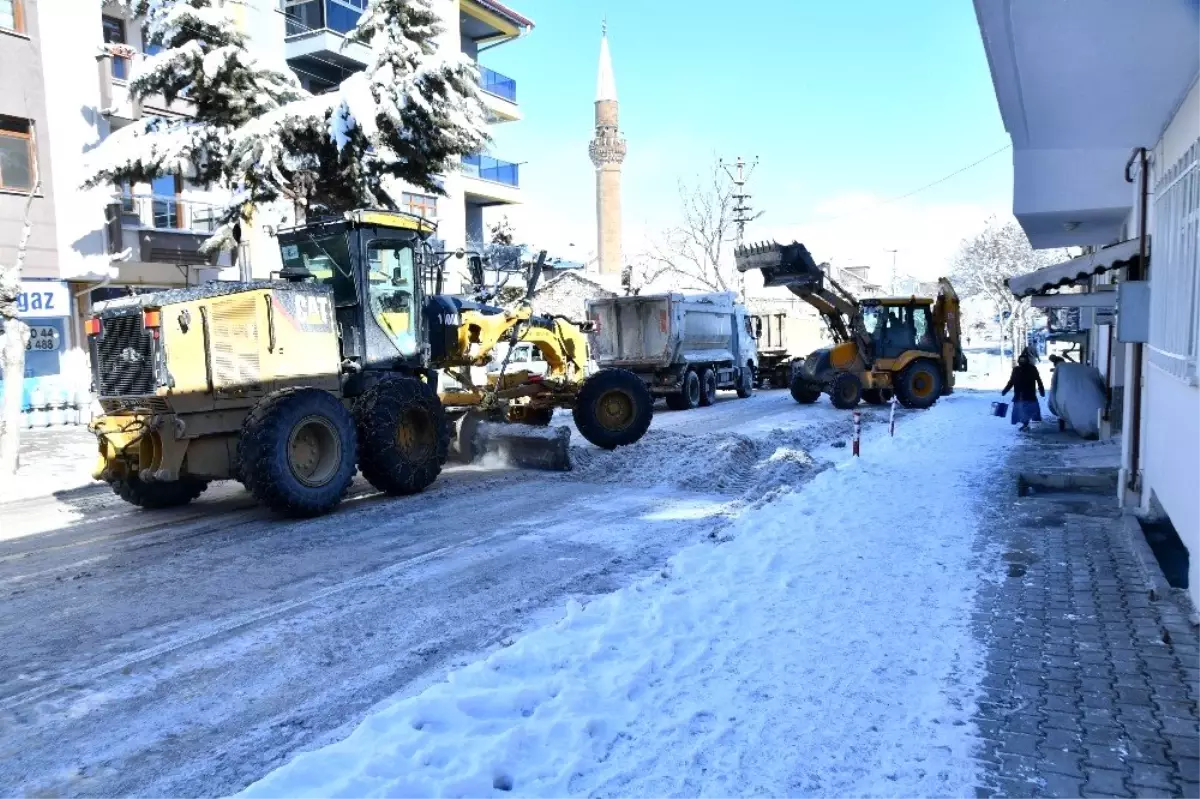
(907,346)
(291,385)
(684,347)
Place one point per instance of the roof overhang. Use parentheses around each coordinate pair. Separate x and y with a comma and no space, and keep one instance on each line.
(487,22)
(1076,104)
(1076,270)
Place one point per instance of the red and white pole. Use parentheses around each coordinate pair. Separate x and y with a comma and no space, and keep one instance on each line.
(892,417)
(857,432)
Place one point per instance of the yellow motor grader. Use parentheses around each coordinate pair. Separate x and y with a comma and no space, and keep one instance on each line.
(291,385)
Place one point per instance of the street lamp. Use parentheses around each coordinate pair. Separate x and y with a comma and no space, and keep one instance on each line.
(892,290)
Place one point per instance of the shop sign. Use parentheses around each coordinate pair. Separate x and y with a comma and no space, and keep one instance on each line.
(43,299)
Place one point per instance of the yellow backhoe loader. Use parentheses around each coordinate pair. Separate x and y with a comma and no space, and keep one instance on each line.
(909,346)
(291,385)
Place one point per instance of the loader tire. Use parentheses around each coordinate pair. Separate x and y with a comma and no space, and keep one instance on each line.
(803,392)
(403,436)
(919,385)
(708,387)
(877,396)
(297,451)
(745,382)
(613,408)
(158,495)
(845,391)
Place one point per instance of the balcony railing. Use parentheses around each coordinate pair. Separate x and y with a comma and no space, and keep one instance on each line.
(493,82)
(165,212)
(304,16)
(485,167)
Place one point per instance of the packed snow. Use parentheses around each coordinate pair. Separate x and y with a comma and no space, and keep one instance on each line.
(821,646)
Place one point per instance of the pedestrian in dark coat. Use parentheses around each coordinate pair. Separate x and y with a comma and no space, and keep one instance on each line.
(1023,382)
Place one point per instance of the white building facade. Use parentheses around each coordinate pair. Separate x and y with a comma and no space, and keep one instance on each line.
(115,240)
(1102,103)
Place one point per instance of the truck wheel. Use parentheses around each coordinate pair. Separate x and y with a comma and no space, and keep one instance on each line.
(845,391)
(877,396)
(689,397)
(297,449)
(157,495)
(613,408)
(403,438)
(708,387)
(745,382)
(803,392)
(919,386)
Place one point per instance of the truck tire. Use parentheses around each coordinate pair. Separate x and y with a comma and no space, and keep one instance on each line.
(745,382)
(708,387)
(298,449)
(689,397)
(919,385)
(156,495)
(613,408)
(845,391)
(403,437)
(877,396)
(803,392)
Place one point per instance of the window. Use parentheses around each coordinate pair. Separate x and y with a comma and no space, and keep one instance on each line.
(16,153)
(114,33)
(168,210)
(12,15)
(390,291)
(1175,267)
(420,204)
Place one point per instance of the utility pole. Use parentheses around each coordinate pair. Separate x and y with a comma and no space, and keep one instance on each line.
(739,174)
(892,288)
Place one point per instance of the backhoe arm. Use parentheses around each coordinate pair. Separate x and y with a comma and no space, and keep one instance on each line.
(792,266)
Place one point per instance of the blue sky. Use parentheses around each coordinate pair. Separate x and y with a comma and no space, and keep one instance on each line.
(844,103)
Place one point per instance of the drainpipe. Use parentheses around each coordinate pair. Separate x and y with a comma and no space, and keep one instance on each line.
(1138,271)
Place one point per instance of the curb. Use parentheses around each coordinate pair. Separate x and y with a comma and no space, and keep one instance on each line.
(1153,580)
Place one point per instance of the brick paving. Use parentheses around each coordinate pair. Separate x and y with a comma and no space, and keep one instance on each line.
(1090,686)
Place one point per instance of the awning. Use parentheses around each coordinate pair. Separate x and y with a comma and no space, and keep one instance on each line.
(1076,270)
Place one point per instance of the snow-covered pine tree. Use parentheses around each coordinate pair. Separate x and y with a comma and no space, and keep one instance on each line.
(203,58)
(407,118)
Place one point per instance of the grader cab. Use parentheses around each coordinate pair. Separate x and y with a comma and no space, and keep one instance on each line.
(293,385)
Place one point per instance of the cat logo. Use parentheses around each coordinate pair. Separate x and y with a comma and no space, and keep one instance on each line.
(130,355)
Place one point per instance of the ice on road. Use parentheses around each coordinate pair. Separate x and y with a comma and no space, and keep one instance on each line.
(821,646)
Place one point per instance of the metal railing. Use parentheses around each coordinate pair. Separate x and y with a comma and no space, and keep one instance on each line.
(304,16)
(485,167)
(493,82)
(168,212)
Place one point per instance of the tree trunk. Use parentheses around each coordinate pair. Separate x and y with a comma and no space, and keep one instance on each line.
(16,336)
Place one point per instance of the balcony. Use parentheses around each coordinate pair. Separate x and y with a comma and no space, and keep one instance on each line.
(490,181)
(163,229)
(499,95)
(315,36)
(115,65)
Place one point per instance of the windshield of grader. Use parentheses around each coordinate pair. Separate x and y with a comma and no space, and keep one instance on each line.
(391,277)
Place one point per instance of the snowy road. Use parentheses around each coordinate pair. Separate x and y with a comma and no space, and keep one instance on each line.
(190,652)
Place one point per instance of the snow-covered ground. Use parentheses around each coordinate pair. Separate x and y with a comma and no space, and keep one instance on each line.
(819,644)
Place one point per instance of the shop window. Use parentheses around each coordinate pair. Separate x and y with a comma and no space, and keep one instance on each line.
(16,153)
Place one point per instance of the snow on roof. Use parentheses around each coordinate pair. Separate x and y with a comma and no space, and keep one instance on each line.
(606,84)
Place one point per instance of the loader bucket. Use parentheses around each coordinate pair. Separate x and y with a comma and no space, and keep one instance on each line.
(781,264)
(521,445)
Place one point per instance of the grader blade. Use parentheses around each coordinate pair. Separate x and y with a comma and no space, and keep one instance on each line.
(521,445)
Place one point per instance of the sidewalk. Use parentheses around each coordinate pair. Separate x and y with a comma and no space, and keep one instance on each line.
(52,459)
(1090,686)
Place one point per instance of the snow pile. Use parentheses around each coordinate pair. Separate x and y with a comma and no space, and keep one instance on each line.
(824,649)
(721,463)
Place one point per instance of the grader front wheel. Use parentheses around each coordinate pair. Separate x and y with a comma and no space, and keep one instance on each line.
(613,408)
(158,495)
(403,436)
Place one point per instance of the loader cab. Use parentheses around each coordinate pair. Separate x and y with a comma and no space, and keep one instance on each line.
(896,326)
(376,265)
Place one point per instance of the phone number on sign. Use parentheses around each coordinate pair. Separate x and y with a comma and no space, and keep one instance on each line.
(42,339)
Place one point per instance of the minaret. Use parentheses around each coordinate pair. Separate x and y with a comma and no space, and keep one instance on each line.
(607,151)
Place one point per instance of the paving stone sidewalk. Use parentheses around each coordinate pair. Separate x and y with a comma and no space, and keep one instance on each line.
(1090,687)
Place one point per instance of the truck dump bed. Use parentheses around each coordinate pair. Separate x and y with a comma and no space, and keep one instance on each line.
(657,331)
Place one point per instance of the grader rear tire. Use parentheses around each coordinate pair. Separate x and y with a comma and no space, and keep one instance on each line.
(613,408)
(297,451)
(403,437)
(158,495)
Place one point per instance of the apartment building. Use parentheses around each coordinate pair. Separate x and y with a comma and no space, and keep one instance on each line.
(1102,103)
(59,103)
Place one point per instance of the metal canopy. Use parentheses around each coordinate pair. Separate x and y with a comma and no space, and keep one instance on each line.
(1076,270)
